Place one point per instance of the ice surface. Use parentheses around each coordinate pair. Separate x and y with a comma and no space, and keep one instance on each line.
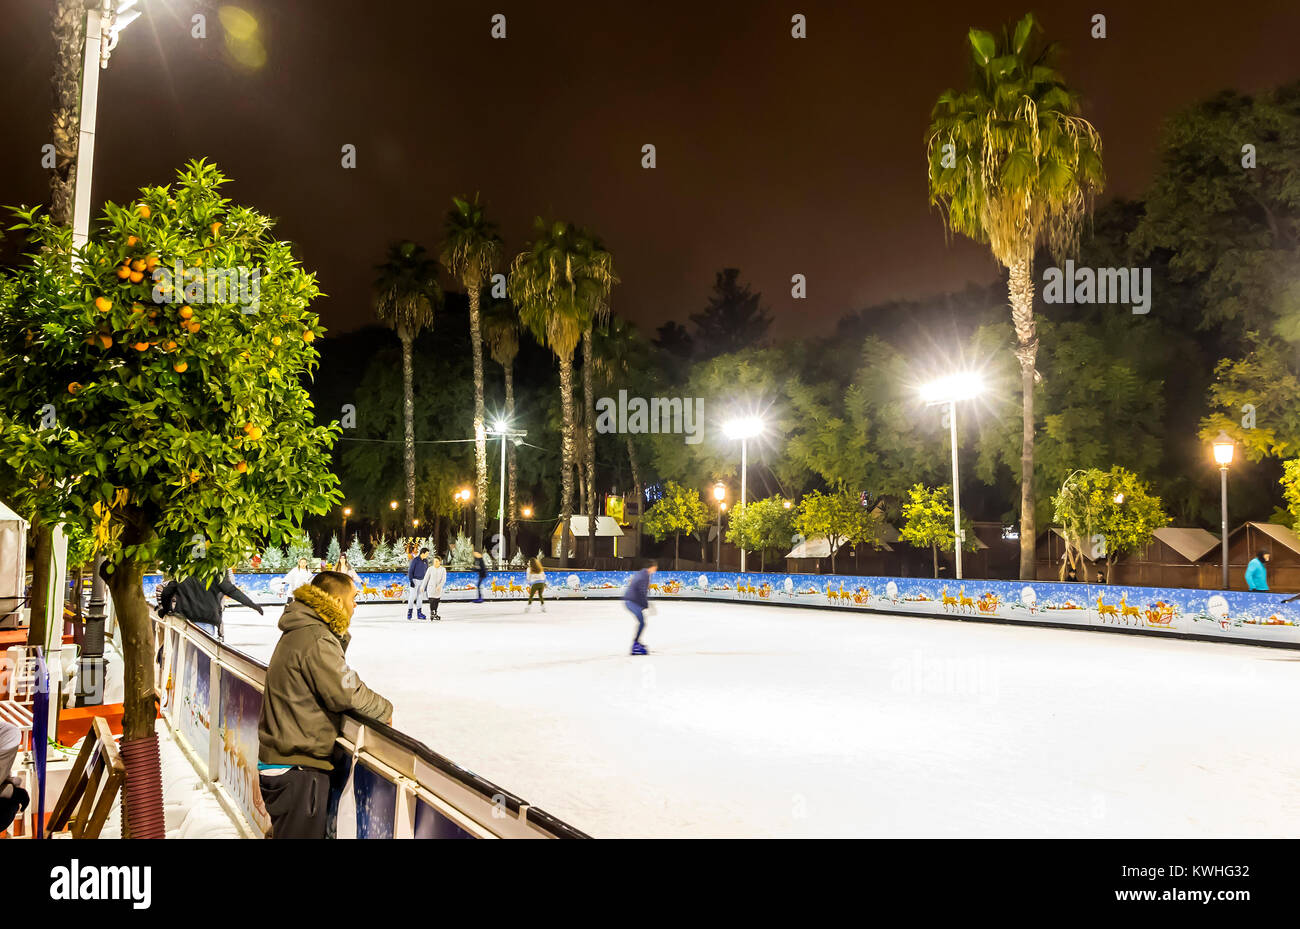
(750,720)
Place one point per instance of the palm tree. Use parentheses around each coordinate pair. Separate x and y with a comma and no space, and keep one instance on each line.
(470,252)
(406,297)
(559,283)
(501,329)
(1013,165)
(620,356)
(600,315)
(68,26)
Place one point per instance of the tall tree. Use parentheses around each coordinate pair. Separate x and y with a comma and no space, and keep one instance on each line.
(68,26)
(679,510)
(734,318)
(501,329)
(1013,165)
(621,363)
(599,316)
(558,283)
(406,297)
(470,252)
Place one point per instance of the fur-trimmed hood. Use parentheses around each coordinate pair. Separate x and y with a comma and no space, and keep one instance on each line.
(311,604)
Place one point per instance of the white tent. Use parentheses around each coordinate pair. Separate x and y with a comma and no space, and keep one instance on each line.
(606,527)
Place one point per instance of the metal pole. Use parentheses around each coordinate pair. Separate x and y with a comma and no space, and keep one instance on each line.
(1223,524)
(719,535)
(501,515)
(86,136)
(744,464)
(956,494)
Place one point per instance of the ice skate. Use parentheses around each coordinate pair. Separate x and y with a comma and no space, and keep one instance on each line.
(420,615)
(638,649)
(408,616)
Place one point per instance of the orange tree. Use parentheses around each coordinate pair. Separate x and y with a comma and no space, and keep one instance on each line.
(162,412)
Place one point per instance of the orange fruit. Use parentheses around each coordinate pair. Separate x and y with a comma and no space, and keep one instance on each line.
(136,309)
(136,277)
(151,262)
(143,210)
(198,262)
(180,367)
(275,340)
(131,240)
(249,427)
(242,467)
(215,227)
(186,312)
(153,314)
(124,271)
(194,476)
(141,346)
(103,304)
(74,387)
(194,326)
(309,336)
(137,265)
(106,340)
(169,345)
(255,433)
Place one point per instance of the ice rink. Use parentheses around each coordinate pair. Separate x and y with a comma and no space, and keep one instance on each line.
(781,721)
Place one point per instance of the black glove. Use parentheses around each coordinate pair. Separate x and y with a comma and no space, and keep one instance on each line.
(260,611)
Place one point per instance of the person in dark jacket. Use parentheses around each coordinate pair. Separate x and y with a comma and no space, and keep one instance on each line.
(1257,572)
(309,686)
(637,599)
(481,568)
(416,574)
(200,601)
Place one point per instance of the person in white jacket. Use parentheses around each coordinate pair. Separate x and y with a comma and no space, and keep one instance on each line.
(296,578)
(536,580)
(433,586)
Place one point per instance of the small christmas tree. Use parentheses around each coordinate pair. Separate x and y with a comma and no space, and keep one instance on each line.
(357,555)
(300,547)
(273,559)
(332,553)
(462,553)
(518,560)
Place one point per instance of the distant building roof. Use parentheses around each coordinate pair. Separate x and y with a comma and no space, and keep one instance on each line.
(1190,542)
(1280,534)
(605,526)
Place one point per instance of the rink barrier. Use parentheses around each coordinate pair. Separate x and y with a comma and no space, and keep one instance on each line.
(1257,618)
(398,787)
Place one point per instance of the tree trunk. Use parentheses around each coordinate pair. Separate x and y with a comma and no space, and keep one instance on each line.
(68,27)
(636,482)
(762,559)
(1020,288)
(512,519)
(677,545)
(480,431)
(566,456)
(589,413)
(142,792)
(43,548)
(408,424)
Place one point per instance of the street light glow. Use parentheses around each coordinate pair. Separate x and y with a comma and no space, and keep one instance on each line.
(500,426)
(719,491)
(528,512)
(347,511)
(1223,449)
(745,427)
(963,385)
(392,504)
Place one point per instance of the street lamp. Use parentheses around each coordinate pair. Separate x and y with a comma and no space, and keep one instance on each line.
(502,428)
(347,511)
(105,22)
(1223,451)
(964,385)
(720,494)
(528,512)
(744,428)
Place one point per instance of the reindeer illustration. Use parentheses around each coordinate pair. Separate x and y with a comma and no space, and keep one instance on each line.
(947,600)
(1105,609)
(1125,611)
(964,602)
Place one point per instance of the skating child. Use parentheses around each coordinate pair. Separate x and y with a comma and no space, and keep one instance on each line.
(416,576)
(433,589)
(535,577)
(297,577)
(481,568)
(637,600)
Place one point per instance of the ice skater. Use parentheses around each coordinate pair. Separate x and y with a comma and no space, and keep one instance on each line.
(535,577)
(481,567)
(416,578)
(637,600)
(296,577)
(433,586)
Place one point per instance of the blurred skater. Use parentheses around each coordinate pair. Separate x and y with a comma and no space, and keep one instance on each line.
(201,602)
(297,576)
(1256,572)
(433,586)
(535,577)
(637,600)
(481,567)
(416,576)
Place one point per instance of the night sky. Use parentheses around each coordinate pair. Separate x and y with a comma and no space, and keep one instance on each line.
(775,155)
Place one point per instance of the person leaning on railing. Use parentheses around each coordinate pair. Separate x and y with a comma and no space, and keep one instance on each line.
(309,687)
(200,602)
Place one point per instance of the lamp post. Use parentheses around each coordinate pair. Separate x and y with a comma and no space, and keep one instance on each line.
(502,428)
(1223,450)
(963,385)
(347,511)
(743,429)
(720,494)
(462,497)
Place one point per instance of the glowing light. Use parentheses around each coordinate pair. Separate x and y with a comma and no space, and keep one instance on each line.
(743,428)
(964,385)
(1223,449)
(719,491)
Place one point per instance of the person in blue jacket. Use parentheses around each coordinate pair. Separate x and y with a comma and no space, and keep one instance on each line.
(637,599)
(415,581)
(1257,573)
